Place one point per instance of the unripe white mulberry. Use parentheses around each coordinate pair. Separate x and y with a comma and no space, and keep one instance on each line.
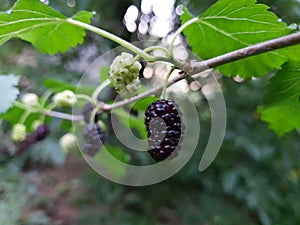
(18,132)
(30,99)
(36,124)
(64,99)
(68,142)
(124,75)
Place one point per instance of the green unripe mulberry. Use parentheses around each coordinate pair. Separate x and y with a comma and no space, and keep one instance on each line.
(65,98)
(30,99)
(18,132)
(124,75)
(68,142)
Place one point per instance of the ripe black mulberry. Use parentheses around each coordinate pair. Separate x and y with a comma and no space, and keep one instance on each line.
(41,132)
(164,129)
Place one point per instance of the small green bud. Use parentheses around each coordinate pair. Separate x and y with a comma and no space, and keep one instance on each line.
(30,99)
(68,142)
(64,99)
(18,132)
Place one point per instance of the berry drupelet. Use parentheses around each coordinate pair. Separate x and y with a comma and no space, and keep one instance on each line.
(164,129)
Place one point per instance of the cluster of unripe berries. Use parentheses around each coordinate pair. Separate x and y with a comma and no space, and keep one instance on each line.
(19,134)
(93,136)
(162,118)
(65,98)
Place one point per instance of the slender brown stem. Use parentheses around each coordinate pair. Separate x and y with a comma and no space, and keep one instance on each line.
(274,44)
(198,67)
(64,116)
(106,107)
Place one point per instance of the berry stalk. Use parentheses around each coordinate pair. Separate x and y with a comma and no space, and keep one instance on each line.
(163,95)
(99,89)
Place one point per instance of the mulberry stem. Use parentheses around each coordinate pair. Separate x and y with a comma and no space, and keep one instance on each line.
(163,96)
(99,89)
(93,114)
(86,97)
(114,38)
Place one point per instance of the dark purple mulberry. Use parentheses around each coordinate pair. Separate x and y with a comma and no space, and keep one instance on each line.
(164,129)
(93,139)
(41,132)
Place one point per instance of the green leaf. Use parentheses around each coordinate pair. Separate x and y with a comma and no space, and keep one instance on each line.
(104,73)
(230,25)
(143,103)
(117,153)
(9,91)
(48,30)
(56,85)
(131,121)
(292,52)
(281,107)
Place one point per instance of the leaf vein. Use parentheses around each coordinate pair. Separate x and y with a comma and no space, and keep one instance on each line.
(20,31)
(223,32)
(36,12)
(228,6)
(5,23)
(239,19)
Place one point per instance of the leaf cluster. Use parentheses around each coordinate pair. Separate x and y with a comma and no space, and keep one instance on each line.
(230,25)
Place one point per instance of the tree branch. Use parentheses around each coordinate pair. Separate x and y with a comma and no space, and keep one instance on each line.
(198,67)
(271,45)
(106,107)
